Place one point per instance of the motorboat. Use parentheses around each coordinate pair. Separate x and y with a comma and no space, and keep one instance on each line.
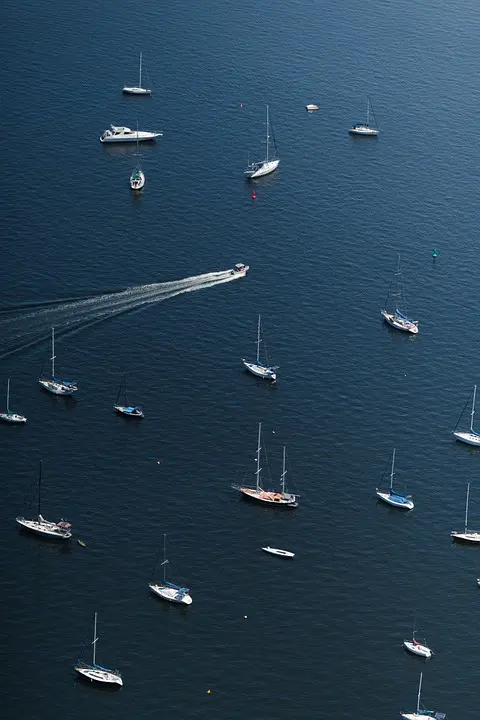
(125,134)
(240,269)
(263,167)
(138,90)
(391,496)
(277,551)
(9,416)
(61,530)
(94,672)
(311,108)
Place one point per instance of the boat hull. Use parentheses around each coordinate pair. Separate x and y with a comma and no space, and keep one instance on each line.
(265,169)
(99,675)
(142,137)
(284,500)
(278,552)
(416,716)
(170,594)
(394,500)
(57,388)
(44,528)
(468,438)
(260,371)
(363,130)
(127,411)
(13,418)
(398,324)
(421,650)
(467,537)
(137,180)
(136,91)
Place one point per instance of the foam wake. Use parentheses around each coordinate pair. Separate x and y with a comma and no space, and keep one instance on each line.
(27,325)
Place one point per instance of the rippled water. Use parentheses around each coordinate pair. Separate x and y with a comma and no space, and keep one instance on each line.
(323,633)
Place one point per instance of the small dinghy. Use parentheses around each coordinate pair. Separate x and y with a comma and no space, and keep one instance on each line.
(277,551)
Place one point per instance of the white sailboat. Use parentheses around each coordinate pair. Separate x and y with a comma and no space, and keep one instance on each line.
(277,551)
(267,166)
(364,128)
(395,308)
(126,409)
(40,526)
(94,672)
(258,368)
(391,497)
(421,713)
(53,384)
(471,438)
(9,416)
(467,535)
(137,178)
(268,497)
(416,647)
(167,590)
(139,90)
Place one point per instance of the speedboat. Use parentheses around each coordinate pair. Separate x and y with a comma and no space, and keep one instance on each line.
(311,108)
(277,551)
(240,269)
(417,648)
(125,134)
(400,322)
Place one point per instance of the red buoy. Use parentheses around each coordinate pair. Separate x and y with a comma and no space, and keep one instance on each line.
(254,195)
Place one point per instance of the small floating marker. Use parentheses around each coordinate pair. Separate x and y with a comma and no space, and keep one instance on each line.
(254,195)
(434,253)
(80,542)
(246,617)
(241,104)
(208,692)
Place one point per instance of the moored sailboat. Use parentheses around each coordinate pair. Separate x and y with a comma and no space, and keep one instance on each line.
(53,384)
(137,178)
(468,536)
(60,530)
(264,167)
(416,647)
(395,308)
(94,672)
(257,367)
(138,90)
(9,416)
(470,437)
(364,128)
(268,497)
(126,409)
(167,590)
(421,713)
(391,496)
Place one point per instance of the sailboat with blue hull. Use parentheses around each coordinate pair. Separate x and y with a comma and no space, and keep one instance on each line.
(125,409)
(54,384)
(391,496)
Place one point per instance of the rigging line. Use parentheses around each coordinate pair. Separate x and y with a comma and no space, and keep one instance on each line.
(461,414)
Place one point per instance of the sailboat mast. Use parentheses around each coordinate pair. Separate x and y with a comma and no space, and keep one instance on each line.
(140,73)
(257,474)
(8,396)
(125,386)
(419,693)
(393,468)
(164,558)
(368,119)
(267,135)
(39,486)
(258,341)
(94,643)
(53,353)
(284,472)
(466,507)
(473,408)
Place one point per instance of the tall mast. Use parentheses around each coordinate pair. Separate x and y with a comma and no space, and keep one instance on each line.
(393,468)
(267,134)
(140,74)
(466,507)
(368,119)
(419,692)
(258,341)
(165,561)
(284,472)
(94,643)
(257,474)
(125,385)
(473,408)
(53,353)
(8,396)
(39,486)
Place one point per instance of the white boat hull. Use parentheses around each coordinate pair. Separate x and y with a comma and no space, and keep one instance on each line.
(44,527)
(170,594)
(261,371)
(363,130)
(98,674)
(278,552)
(58,388)
(468,537)
(270,498)
(265,169)
(130,137)
(136,91)
(416,716)
(127,411)
(468,437)
(417,649)
(137,181)
(13,418)
(399,324)
(395,500)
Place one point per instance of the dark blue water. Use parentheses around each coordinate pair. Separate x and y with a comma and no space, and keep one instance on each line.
(323,634)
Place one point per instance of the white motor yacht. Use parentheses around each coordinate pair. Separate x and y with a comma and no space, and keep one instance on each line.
(125,134)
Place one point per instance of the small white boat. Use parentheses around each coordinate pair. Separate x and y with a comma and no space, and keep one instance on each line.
(478,582)
(468,437)
(395,309)
(277,551)
(9,416)
(267,497)
(139,90)
(240,269)
(258,368)
(416,647)
(391,497)
(421,713)
(167,590)
(364,128)
(137,179)
(311,108)
(53,384)
(126,409)
(58,531)
(263,167)
(94,672)
(125,134)
(468,536)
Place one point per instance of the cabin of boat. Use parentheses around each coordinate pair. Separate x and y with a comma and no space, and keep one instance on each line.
(240,268)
